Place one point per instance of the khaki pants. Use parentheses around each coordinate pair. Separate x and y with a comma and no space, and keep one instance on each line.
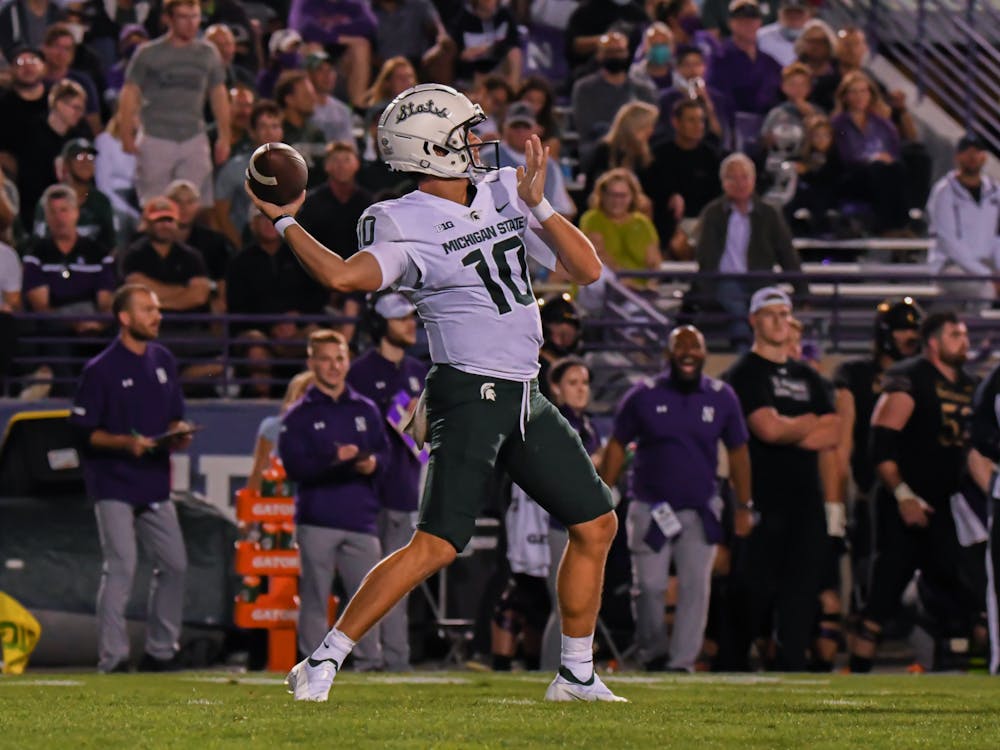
(159,162)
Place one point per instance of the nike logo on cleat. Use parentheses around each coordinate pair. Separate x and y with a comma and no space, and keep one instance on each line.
(570,677)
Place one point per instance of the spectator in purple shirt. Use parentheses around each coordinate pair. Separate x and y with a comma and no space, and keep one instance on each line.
(347,24)
(389,376)
(751,78)
(332,443)
(130,411)
(869,148)
(676,422)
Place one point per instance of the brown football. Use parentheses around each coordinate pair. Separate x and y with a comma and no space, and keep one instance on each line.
(277,173)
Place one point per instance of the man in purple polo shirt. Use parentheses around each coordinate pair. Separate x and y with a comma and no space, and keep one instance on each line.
(332,443)
(676,422)
(392,379)
(130,410)
(739,69)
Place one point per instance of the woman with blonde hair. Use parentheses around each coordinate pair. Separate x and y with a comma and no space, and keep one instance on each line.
(624,236)
(270,428)
(869,147)
(395,76)
(626,144)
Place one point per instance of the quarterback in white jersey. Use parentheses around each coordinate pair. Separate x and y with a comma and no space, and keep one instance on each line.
(459,247)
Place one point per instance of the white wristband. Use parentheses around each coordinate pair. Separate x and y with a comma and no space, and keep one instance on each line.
(283,223)
(836,519)
(903,492)
(542,211)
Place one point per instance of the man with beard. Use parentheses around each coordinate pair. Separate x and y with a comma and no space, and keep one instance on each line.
(858,384)
(918,441)
(789,410)
(394,381)
(24,105)
(129,411)
(676,422)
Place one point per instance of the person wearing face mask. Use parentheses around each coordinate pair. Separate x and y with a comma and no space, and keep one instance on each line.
(598,96)
(688,82)
(676,422)
(593,19)
(778,39)
(655,58)
(683,19)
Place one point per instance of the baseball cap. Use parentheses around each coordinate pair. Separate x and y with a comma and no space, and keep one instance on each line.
(25,49)
(77,146)
(769,295)
(283,40)
(969,140)
(520,112)
(160,207)
(394,305)
(132,28)
(744,9)
(315,59)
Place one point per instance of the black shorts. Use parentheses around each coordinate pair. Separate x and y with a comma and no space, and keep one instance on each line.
(474,428)
(524,603)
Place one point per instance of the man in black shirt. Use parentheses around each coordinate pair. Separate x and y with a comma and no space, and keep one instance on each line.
(858,384)
(331,210)
(918,441)
(175,273)
(266,279)
(983,470)
(214,248)
(790,415)
(24,105)
(687,174)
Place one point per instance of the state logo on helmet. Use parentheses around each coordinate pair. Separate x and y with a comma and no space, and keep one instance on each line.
(426,129)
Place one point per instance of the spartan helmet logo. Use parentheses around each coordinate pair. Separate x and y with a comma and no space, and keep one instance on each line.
(487,392)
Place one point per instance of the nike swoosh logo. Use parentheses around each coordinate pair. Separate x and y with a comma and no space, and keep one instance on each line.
(316,662)
(501,208)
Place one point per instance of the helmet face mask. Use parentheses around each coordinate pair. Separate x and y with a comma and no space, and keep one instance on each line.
(891,316)
(426,129)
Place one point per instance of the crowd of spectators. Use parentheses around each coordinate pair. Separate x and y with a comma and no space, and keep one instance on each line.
(678,130)
(122,102)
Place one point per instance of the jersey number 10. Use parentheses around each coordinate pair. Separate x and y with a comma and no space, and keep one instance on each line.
(500,250)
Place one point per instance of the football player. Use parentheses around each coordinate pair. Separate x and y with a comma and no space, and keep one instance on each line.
(458,247)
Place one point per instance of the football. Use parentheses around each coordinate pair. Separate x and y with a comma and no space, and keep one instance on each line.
(277,173)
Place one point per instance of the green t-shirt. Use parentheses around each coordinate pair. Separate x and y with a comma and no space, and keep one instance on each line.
(97,220)
(626,242)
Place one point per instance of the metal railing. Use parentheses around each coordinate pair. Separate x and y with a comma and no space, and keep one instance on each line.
(948,47)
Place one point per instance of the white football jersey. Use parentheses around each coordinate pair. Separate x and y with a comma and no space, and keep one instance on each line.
(466,270)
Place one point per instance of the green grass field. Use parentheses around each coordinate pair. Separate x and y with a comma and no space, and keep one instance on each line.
(464,710)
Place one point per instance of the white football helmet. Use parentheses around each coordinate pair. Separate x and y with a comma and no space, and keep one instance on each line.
(426,129)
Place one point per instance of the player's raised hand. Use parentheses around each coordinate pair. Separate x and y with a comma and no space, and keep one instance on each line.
(531,177)
(273,211)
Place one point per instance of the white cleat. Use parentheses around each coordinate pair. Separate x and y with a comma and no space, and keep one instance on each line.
(565,687)
(311,680)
